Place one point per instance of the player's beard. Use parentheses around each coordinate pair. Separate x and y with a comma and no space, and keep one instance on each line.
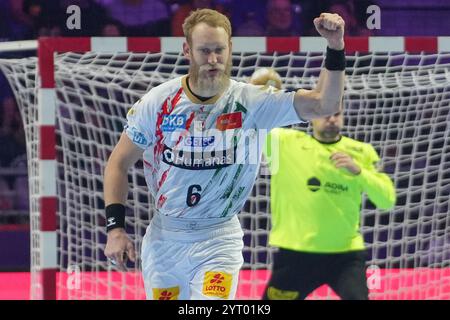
(206,84)
(330,133)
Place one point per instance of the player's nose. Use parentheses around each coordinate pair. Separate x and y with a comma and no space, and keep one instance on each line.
(212,58)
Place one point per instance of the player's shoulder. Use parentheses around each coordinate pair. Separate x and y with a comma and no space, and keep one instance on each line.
(239,87)
(161,92)
(245,93)
(248,87)
(358,146)
(289,134)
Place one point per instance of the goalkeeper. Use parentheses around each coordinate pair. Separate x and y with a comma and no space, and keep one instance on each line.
(317,184)
(191,132)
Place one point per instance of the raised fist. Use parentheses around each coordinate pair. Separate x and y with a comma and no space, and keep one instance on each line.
(331,27)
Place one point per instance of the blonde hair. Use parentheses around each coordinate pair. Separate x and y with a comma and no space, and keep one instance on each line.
(266,77)
(212,18)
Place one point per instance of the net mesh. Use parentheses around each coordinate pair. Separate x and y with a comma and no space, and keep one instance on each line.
(398,102)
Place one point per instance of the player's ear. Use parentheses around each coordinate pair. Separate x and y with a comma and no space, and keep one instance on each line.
(186,50)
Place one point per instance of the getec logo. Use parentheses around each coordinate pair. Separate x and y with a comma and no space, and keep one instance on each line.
(204,160)
(172,122)
(199,141)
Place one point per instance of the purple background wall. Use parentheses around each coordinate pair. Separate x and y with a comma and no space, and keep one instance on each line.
(15,248)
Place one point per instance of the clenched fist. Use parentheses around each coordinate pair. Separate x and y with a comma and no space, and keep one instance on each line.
(343,160)
(331,27)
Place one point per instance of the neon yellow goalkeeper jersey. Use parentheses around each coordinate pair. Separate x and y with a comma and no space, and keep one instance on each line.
(315,206)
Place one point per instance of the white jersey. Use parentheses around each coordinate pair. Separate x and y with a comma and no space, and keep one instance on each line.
(201,158)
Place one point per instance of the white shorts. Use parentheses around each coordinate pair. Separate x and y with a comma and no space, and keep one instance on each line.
(194,259)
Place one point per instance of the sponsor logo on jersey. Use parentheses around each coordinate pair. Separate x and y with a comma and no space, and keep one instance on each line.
(313,184)
(336,188)
(229,121)
(138,137)
(277,294)
(172,122)
(217,284)
(199,141)
(199,125)
(200,121)
(166,293)
(204,160)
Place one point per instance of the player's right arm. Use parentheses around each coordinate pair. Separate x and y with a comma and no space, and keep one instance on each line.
(124,155)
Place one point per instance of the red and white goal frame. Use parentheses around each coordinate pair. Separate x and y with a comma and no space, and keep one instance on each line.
(48,47)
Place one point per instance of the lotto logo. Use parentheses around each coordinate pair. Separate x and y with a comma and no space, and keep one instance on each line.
(217,284)
(166,293)
(173,122)
(218,278)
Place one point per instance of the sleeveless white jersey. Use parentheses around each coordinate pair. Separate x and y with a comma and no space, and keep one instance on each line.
(201,159)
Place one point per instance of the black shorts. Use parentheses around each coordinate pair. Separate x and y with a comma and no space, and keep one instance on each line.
(296,274)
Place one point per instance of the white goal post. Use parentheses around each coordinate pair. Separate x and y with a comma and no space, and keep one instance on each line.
(73,98)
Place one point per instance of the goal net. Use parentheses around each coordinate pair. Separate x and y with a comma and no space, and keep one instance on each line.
(399,102)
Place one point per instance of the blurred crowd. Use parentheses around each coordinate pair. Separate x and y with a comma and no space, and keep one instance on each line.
(29,19)
(13,165)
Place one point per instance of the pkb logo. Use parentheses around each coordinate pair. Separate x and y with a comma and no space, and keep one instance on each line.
(173,122)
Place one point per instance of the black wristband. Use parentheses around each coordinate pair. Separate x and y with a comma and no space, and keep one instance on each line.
(335,60)
(115,216)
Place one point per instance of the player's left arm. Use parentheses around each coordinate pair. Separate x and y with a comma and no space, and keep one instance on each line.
(378,185)
(325,98)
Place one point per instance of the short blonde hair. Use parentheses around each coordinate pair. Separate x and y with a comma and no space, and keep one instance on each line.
(266,77)
(212,18)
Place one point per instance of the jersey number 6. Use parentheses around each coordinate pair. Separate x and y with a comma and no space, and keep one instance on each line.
(193,197)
